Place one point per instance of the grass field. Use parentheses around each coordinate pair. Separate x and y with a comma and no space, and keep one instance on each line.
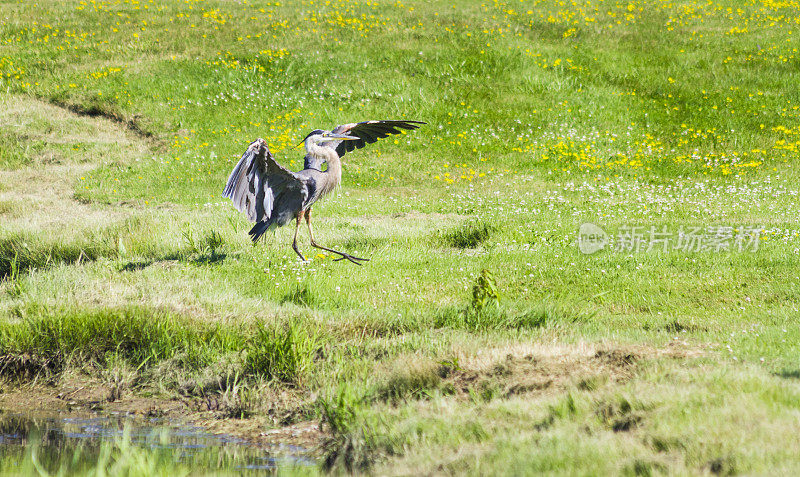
(478,339)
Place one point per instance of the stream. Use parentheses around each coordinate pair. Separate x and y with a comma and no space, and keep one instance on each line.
(68,445)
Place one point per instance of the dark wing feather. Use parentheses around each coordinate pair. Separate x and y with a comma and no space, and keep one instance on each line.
(311,162)
(266,192)
(368,132)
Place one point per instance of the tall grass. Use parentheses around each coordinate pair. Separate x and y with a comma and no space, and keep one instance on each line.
(353,444)
(285,353)
(137,334)
(146,337)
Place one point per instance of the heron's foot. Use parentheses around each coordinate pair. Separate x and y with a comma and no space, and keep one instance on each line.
(347,256)
(304,259)
(344,256)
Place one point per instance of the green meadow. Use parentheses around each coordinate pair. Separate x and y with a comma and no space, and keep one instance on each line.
(478,339)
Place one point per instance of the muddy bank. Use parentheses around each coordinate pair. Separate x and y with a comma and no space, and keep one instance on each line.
(83,402)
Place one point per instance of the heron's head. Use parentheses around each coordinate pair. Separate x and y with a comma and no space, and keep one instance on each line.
(319,136)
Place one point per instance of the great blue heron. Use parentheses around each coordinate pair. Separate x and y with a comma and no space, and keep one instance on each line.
(272,195)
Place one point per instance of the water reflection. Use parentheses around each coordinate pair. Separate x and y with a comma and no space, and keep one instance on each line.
(69,445)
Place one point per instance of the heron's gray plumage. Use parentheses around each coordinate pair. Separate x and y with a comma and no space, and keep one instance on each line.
(313,162)
(266,192)
(271,195)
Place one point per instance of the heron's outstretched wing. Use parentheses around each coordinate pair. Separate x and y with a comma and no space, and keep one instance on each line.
(368,132)
(265,191)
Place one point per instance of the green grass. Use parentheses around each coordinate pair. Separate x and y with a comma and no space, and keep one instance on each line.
(21,253)
(286,354)
(478,339)
(147,339)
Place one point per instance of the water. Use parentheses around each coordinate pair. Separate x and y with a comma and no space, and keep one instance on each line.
(69,445)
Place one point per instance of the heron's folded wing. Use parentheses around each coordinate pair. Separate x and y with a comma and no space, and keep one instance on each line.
(368,132)
(262,188)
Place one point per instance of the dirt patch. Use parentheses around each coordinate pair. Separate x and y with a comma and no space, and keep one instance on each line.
(542,369)
(532,374)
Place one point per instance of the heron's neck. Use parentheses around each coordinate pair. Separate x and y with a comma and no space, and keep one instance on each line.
(329,155)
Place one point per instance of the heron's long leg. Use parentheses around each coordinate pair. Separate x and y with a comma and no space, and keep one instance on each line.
(294,242)
(315,244)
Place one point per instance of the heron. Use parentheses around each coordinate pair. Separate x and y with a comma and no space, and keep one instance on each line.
(272,195)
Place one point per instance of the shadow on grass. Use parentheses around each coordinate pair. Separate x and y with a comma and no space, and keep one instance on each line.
(468,235)
(364,243)
(175,257)
(301,295)
(675,326)
(788,373)
(500,318)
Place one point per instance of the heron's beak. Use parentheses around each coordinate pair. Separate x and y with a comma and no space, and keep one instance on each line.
(343,137)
